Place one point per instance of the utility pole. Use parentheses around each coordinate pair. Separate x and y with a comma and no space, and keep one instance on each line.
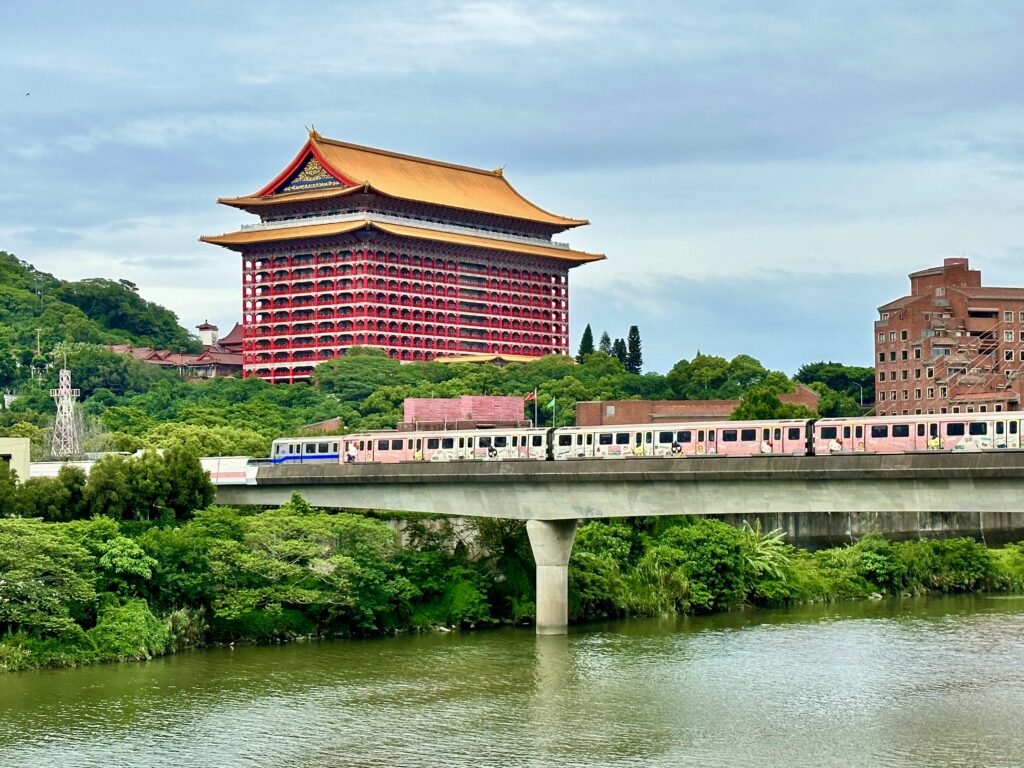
(65,427)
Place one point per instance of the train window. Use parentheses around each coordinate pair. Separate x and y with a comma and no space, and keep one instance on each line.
(748,435)
(322,448)
(500,441)
(590,438)
(579,439)
(604,439)
(978,428)
(408,445)
(564,440)
(382,445)
(362,445)
(469,443)
(828,433)
(933,430)
(794,433)
(649,437)
(664,437)
(485,442)
(729,435)
(879,430)
(538,441)
(310,447)
(419,443)
(334,447)
(396,445)
(859,431)
(955,428)
(846,432)
(920,430)
(448,442)
(778,433)
(277,449)
(432,443)
(515,441)
(1000,427)
(684,437)
(622,438)
(711,435)
(700,435)
(462,442)
(901,430)
(1013,427)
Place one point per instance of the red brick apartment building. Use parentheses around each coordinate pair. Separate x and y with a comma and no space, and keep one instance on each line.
(950,346)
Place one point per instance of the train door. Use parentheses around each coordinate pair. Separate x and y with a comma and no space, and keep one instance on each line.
(643,444)
(1006,434)
(706,442)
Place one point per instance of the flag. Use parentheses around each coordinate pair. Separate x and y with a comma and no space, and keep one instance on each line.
(530,397)
(551,406)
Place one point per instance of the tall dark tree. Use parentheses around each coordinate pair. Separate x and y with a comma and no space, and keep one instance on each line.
(634,361)
(619,350)
(605,344)
(586,344)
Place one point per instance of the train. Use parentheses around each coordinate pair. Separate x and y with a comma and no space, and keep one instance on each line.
(1000,430)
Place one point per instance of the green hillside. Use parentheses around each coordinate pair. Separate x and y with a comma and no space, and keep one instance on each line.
(97,311)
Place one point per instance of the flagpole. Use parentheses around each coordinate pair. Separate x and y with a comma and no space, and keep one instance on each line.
(535,407)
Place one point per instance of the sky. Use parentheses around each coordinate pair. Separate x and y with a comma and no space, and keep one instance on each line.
(761,175)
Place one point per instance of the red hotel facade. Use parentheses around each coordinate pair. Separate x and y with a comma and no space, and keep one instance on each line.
(950,346)
(362,247)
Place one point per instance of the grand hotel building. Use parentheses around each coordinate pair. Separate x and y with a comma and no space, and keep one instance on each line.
(362,247)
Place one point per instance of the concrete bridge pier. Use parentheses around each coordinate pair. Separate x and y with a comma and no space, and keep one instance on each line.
(551,541)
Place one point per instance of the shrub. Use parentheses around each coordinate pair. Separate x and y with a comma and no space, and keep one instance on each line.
(713,561)
(129,631)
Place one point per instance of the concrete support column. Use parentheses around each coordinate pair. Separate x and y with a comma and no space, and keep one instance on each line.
(551,541)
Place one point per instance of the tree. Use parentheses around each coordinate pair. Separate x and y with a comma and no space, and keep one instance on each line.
(619,350)
(763,403)
(605,345)
(634,356)
(586,344)
(852,380)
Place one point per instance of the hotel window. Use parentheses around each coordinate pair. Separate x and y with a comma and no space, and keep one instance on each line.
(881,376)
(903,335)
(931,392)
(881,338)
(1022,333)
(904,374)
(892,394)
(1008,355)
(917,394)
(904,355)
(942,392)
(892,355)
(917,353)
(892,335)
(881,357)
(1020,317)
(1007,335)
(906,394)
(929,373)
(1022,355)
(917,373)
(1007,317)
(881,395)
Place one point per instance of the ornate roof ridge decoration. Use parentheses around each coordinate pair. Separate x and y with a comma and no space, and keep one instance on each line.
(242,238)
(402,176)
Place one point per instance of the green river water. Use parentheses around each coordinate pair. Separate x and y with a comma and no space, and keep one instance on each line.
(924,682)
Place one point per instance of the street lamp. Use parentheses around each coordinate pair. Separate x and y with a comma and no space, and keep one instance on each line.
(861,393)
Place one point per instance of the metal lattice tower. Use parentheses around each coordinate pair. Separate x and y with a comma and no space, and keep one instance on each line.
(65,426)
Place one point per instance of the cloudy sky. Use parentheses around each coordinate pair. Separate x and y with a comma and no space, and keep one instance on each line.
(761,175)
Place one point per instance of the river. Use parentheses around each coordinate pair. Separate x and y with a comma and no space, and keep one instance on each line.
(922,682)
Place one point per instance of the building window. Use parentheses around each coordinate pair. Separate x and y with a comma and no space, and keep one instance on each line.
(892,355)
(892,335)
(906,394)
(903,335)
(892,394)
(942,392)
(1020,317)
(1008,355)
(881,338)
(1007,335)
(917,394)
(881,396)
(917,353)
(904,374)
(940,291)
(1007,317)
(917,373)
(881,376)
(1022,355)
(881,357)
(1021,333)
(929,373)
(885,316)
(931,392)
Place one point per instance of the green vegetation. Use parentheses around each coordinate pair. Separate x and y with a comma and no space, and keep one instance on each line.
(136,562)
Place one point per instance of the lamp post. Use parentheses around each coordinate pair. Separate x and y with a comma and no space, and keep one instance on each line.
(861,393)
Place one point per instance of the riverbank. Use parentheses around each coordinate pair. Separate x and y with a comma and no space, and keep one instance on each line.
(95,590)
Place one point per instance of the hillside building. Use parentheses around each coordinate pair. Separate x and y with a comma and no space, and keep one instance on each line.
(951,346)
(358,246)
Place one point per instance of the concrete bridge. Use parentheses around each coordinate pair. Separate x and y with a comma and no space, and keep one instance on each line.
(553,497)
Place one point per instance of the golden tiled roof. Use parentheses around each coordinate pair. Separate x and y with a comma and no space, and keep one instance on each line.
(485,357)
(406,177)
(239,240)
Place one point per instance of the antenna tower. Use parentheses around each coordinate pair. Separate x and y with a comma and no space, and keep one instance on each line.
(65,426)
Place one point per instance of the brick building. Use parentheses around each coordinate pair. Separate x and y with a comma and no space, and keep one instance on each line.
(613,412)
(951,345)
(361,246)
